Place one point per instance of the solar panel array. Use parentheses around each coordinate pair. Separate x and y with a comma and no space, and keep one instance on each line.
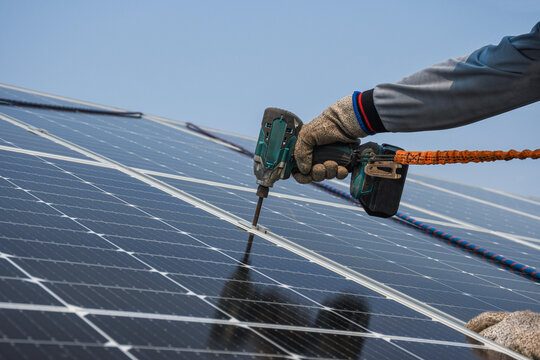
(98,261)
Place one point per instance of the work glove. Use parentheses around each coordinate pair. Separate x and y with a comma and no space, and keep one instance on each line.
(518,331)
(338,123)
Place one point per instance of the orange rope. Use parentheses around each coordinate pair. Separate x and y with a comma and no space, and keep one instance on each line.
(455,156)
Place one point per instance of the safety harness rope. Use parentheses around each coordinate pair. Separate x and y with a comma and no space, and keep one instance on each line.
(472,247)
(502,260)
(236,147)
(463,157)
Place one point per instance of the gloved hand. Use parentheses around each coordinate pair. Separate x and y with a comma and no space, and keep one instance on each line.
(518,331)
(338,123)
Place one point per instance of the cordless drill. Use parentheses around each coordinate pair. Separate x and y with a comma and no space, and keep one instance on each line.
(376,181)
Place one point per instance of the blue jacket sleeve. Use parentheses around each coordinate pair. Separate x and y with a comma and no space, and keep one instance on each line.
(490,81)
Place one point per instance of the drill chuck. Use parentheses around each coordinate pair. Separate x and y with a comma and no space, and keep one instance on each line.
(262,191)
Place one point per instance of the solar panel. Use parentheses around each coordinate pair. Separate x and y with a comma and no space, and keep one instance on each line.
(99,260)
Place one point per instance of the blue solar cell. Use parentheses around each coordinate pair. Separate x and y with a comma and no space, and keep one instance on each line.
(14,136)
(450,352)
(97,296)
(19,291)
(55,271)
(179,334)
(53,326)
(168,353)
(335,346)
(516,202)
(64,350)
(7,270)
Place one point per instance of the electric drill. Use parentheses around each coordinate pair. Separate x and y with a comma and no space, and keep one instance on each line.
(376,181)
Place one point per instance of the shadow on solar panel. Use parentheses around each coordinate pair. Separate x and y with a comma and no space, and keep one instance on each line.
(272,305)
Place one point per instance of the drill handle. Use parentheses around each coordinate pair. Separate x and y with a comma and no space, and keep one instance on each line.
(342,153)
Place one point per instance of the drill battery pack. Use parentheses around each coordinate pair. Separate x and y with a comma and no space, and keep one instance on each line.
(378,185)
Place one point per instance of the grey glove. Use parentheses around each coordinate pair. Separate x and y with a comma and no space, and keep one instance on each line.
(338,123)
(518,331)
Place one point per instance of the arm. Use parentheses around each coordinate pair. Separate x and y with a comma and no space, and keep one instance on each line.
(456,92)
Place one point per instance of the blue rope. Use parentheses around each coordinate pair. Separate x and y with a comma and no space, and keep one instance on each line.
(514,265)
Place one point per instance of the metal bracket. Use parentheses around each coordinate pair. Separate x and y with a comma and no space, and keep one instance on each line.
(264,229)
(244,223)
(383,169)
(36,131)
(250,228)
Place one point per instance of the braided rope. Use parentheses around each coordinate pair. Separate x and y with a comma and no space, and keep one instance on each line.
(514,265)
(477,250)
(456,156)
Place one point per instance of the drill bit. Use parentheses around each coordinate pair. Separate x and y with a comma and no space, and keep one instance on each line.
(262,192)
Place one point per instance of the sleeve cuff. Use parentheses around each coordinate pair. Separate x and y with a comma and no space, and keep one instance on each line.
(366,114)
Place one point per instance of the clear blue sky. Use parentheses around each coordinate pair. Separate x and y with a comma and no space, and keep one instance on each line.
(220,63)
